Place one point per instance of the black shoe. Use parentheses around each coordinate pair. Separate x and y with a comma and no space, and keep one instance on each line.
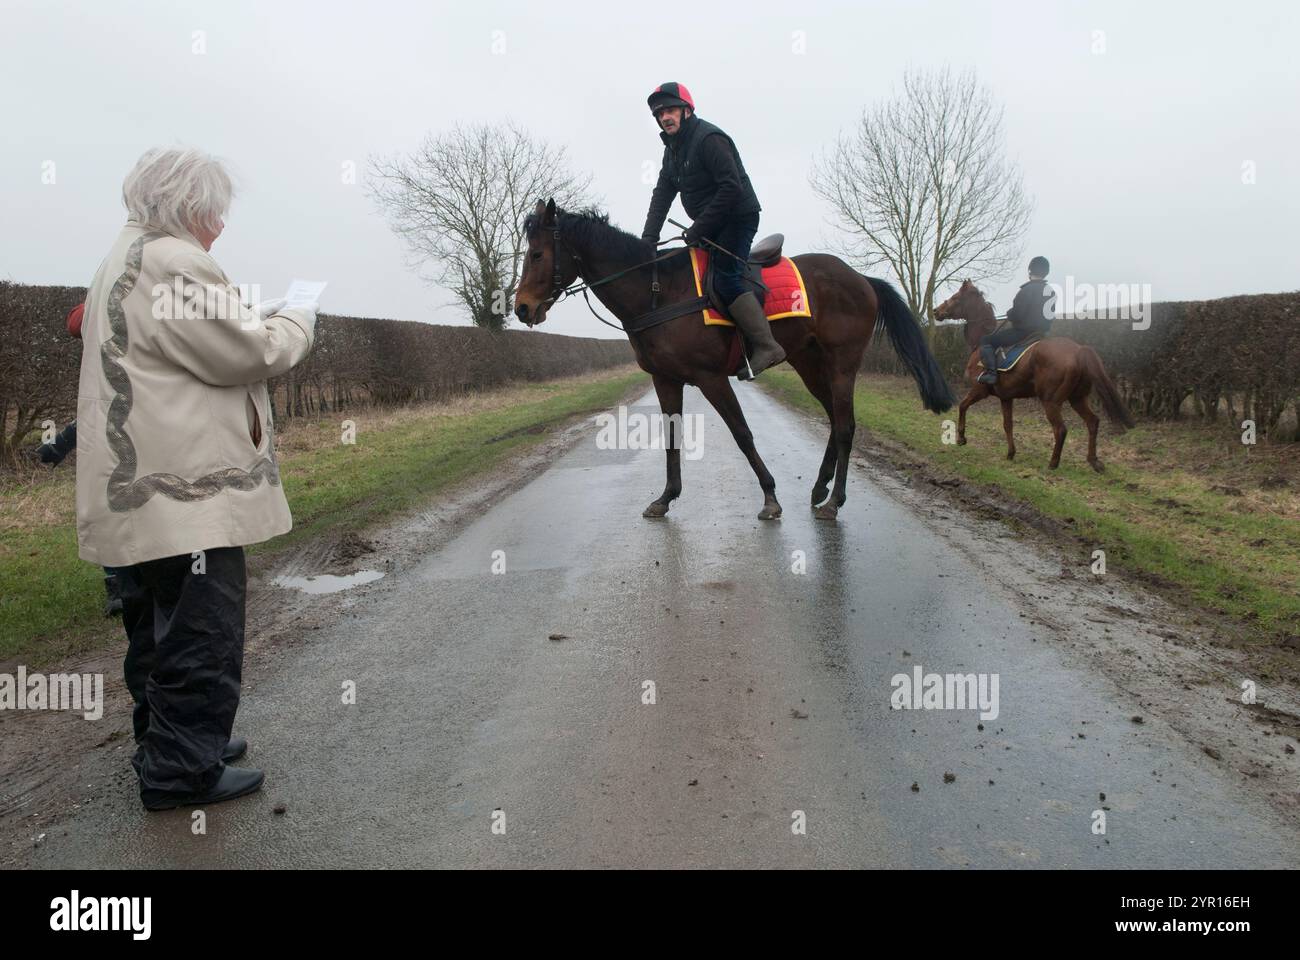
(234,782)
(235,749)
(989,377)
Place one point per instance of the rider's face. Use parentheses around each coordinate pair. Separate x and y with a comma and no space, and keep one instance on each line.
(670,118)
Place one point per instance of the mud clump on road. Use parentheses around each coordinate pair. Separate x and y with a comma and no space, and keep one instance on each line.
(350,546)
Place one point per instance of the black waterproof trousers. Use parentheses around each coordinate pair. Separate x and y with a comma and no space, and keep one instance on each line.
(184,619)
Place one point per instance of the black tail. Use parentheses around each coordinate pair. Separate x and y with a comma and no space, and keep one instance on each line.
(1116,410)
(909,343)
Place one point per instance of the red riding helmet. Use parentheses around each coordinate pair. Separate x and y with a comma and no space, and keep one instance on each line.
(670,95)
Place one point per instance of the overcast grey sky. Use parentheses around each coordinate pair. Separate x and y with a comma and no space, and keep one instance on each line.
(1134,155)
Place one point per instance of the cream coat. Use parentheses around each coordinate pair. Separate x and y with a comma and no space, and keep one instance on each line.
(175,445)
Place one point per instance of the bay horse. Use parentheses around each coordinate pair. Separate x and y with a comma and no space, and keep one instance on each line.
(825,349)
(1055,371)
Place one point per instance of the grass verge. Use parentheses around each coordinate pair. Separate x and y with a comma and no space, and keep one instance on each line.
(51,601)
(1183,504)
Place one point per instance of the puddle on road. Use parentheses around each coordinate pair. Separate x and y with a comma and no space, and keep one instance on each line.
(327,582)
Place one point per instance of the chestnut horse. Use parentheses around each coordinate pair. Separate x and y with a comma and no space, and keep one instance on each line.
(1056,370)
(825,349)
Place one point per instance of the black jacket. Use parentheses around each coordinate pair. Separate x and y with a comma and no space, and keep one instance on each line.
(62,445)
(1034,308)
(702,164)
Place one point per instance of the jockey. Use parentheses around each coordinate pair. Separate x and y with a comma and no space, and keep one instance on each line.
(702,164)
(1031,313)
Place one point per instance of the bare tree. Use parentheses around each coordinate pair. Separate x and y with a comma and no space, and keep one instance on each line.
(922,184)
(459,202)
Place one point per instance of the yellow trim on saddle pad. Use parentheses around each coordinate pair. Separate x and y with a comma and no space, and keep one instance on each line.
(711,317)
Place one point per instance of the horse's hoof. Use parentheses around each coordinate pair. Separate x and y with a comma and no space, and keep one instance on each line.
(770,511)
(820,494)
(1011,454)
(655,509)
(1098,466)
(1054,465)
(827,511)
(961,441)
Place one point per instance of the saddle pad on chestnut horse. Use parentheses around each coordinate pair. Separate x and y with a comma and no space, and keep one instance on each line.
(1008,357)
(786,294)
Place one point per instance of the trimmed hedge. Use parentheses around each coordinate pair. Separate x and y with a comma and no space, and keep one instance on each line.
(355,362)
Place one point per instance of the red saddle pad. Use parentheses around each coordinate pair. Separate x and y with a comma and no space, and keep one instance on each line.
(786,294)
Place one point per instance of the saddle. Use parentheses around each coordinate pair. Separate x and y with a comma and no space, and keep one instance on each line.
(1008,357)
(765,253)
(791,298)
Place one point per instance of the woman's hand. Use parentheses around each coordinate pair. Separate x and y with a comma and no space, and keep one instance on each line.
(268,307)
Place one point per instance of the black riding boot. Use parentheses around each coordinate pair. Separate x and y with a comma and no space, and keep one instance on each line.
(747,313)
(988,357)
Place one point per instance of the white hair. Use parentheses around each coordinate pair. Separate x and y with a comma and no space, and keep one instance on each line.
(177,189)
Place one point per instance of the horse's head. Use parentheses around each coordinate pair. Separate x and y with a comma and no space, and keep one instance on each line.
(549,265)
(968,304)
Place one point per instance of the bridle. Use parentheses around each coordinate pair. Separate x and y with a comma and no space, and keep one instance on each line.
(559,291)
(966,306)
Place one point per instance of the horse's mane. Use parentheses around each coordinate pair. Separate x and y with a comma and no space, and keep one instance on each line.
(589,228)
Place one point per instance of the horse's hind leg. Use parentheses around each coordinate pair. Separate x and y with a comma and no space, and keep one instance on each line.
(807,363)
(1090,419)
(717,390)
(843,426)
(670,402)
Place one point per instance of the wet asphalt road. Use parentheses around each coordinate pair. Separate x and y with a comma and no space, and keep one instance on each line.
(772,688)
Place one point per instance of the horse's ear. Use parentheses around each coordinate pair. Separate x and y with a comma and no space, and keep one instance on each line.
(550,211)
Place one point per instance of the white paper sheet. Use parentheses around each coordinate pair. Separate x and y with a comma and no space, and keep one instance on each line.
(303,292)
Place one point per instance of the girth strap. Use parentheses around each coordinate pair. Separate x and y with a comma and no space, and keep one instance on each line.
(669,311)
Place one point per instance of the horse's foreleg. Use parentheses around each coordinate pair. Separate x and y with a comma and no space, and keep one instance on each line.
(670,402)
(717,390)
(1053,410)
(976,394)
(1007,428)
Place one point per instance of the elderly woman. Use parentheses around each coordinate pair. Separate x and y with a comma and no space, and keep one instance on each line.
(176,468)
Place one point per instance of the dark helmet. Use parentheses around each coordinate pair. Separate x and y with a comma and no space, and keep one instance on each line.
(670,95)
(1039,266)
